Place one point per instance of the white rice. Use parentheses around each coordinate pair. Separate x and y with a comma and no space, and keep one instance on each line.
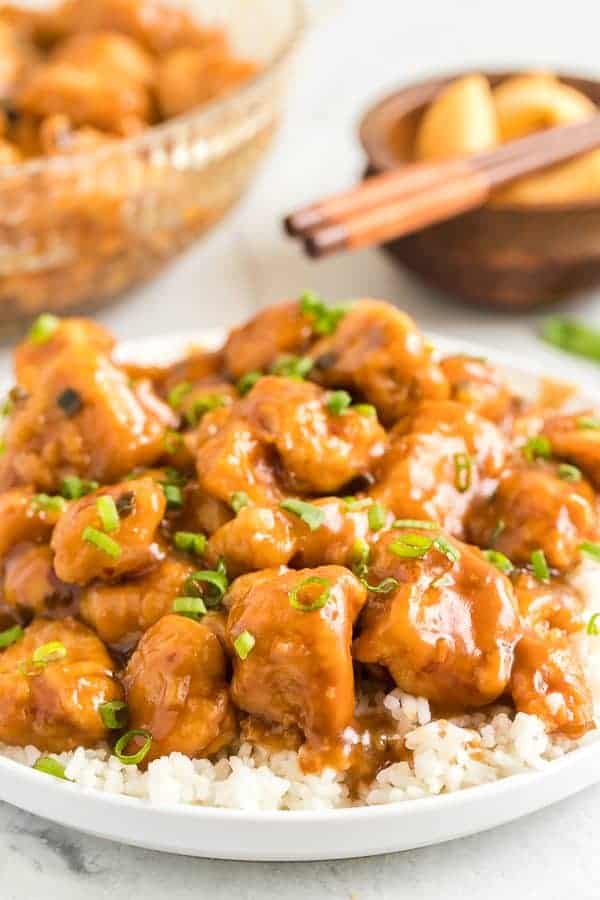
(447,755)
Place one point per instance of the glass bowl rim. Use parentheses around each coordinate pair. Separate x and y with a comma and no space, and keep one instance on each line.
(204,114)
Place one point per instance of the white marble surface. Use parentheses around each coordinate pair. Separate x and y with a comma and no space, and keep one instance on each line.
(362,48)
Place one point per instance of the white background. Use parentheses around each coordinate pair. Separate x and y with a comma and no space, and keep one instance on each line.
(359,50)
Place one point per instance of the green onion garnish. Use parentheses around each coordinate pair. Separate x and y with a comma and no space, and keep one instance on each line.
(324,319)
(247,382)
(107,512)
(588,423)
(2,446)
(591,550)
(73,487)
(499,560)
(572,337)
(216,582)
(10,636)
(239,499)
(540,565)
(173,496)
(203,405)
(114,714)
(445,547)
(592,628)
(50,766)
(569,473)
(43,328)
(134,758)
(445,580)
(377,516)
(313,516)
(462,472)
(384,587)
(498,529)
(192,607)
(338,402)
(243,644)
(190,542)
(411,546)
(47,653)
(415,523)
(101,541)
(357,503)
(319,602)
(172,441)
(538,447)
(360,555)
(365,409)
(297,367)
(176,395)
(46,503)
(174,476)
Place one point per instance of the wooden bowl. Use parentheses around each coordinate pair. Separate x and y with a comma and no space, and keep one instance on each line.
(510,257)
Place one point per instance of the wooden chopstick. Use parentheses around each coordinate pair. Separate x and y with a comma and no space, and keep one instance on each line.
(397,203)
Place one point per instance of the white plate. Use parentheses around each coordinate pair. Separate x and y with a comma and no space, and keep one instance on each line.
(336,834)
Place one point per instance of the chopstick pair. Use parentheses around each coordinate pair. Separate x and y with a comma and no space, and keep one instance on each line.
(397,203)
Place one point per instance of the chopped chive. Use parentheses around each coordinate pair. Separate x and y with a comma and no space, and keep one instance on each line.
(313,516)
(43,328)
(365,409)
(297,367)
(572,337)
(46,503)
(591,550)
(10,636)
(377,516)
(338,402)
(203,405)
(177,394)
(540,565)
(247,382)
(173,496)
(102,542)
(172,441)
(319,602)
(133,759)
(415,523)
(567,472)
(360,556)
(384,587)
(244,644)
(210,584)
(538,447)
(192,607)
(107,512)
(445,547)
(411,546)
(357,503)
(190,542)
(114,714)
(324,319)
(50,766)
(73,487)
(462,472)
(239,499)
(174,476)
(588,423)
(499,560)
(47,653)
(70,401)
(592,627)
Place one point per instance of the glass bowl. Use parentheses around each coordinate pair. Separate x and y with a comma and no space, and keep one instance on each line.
(76,231)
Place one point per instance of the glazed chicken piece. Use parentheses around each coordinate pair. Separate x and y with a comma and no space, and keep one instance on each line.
(120,613)
(447,631)
(31,584)
(439,460)
(577,438)
(318,451)
(82,418)
(176,689)
(292,632)
(378,352)
(52,683)
(109,51)
(267,537)
(547,681)
(24,518)
(84,551)
(276,331)
(551,604)
(532,509)
(189,77)
(201,512)
(478,385)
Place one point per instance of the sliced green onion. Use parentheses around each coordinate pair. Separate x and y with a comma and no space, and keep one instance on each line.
(415,523)
(313,516)
(411,546)
(338,402)
(190,542)
(244,644)
(377,516)
(588,423)
(324,319)
(73,487)
(297,367)
(445,547)
(247,382)
(216,582)
(10,636)
(173,496)
(540,565)
(592,627)
(567,472)
(498,529)
(177,394)
(43,328)
(2,446)
(572,337)
(365,409)
(357,503)
(172,441)
(114,714)
(133,759)
(174,476)
(102,542)
(50,766)
(203,405)
(192,607)
(499,560)
(47,653)
(239,499)
(360,555)
(591,550)
(384,587)
(107,512)
(313,605)
(462,472)
(48,504)
(6,407)
(538,447)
